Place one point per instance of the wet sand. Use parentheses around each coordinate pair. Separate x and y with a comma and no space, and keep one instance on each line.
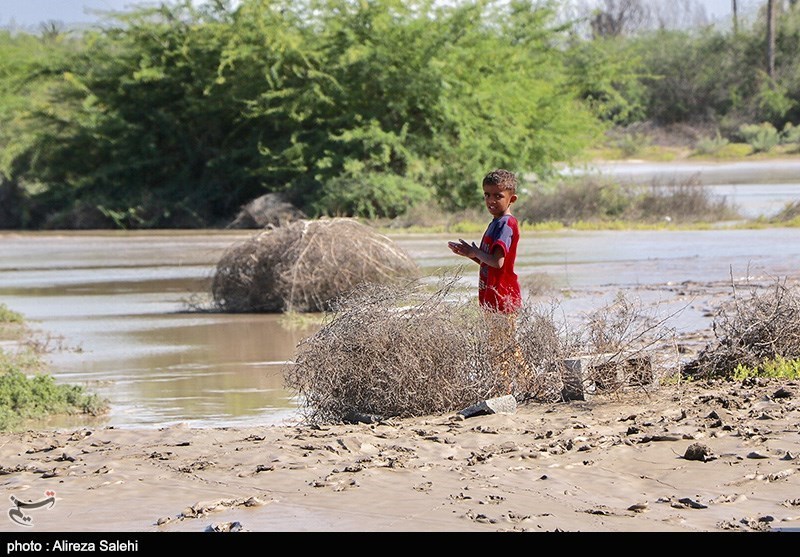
(681,458)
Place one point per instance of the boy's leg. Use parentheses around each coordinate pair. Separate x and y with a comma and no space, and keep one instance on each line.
(507,358)
(497,334)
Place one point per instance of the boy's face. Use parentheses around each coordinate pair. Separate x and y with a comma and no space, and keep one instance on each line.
(498,201)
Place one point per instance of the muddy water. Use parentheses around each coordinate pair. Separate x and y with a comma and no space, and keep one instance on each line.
(118,310)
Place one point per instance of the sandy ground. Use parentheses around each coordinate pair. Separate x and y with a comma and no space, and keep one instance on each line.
(681,458)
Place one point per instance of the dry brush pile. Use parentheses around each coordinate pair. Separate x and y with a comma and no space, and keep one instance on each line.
(305,265)
(412,350)
(752,328)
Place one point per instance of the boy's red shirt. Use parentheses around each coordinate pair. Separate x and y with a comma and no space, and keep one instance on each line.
(498,289)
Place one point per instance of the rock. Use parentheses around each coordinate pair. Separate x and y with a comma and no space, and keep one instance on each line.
(698,451)
(226,527)
(354,417)
(782,393)
(500,405)
(269,210)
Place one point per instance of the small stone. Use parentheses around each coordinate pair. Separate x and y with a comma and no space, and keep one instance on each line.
(638,507)
(698,451)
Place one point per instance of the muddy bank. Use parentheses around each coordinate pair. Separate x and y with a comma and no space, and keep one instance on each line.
(682,458)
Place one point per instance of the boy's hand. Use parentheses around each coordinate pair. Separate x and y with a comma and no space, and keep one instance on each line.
(463,248)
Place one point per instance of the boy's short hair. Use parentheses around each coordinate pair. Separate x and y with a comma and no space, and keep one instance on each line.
(505,179)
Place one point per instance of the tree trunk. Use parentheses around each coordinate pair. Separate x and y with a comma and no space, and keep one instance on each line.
(771,38)
(735,18)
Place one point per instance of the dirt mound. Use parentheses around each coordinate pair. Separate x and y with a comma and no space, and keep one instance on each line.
(305,266)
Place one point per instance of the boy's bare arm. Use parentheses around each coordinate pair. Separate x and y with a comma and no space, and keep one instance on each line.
(495,259)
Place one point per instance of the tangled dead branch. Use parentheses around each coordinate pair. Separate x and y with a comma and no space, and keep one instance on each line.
(392,351)
(625,345)
(751,329)
(305,265)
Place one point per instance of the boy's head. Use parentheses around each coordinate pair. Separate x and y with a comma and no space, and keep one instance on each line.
(499,191)
(505,180)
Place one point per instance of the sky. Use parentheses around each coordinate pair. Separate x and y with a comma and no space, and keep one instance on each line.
(26,13)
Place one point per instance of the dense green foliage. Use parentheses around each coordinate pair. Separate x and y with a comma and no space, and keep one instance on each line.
(714,75)
(177,115)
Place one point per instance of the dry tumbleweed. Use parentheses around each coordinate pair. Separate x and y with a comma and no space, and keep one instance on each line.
(305,265)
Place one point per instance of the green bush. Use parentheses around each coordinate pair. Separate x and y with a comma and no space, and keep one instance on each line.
(23,398)
(9,316)
(184,112)
(27,393)
(761,137)
(711,145)
(790,134)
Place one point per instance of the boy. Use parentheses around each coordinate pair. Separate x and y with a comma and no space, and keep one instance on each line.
(498,285)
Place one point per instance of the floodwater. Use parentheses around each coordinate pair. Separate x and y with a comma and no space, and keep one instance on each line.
(117,310)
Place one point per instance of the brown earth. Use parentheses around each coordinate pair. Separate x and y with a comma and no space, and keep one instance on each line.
(689,457)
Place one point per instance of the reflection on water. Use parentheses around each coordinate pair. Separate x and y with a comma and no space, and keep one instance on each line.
(757,200)
(121,305)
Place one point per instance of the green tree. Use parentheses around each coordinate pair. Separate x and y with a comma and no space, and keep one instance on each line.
(609,76)
(177,115)
(31,66)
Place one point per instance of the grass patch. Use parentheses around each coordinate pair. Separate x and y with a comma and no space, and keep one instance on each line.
(29,396)
(8,315)
(634,225)
(12,324)
(652,153)
(702,152)
(27,391)
(724,152)
(546,226)
(297,321)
